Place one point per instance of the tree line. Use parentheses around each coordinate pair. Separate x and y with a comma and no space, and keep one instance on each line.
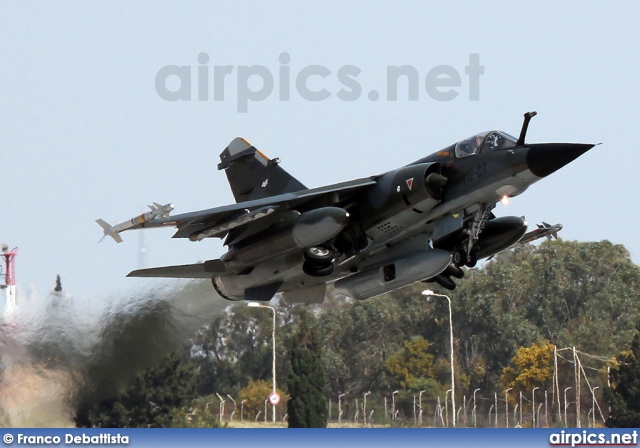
(513,318)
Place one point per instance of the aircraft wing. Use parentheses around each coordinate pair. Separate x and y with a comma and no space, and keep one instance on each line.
(183,271)
(196,270)
(217,222)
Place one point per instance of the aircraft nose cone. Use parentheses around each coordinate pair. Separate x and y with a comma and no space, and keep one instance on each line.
(546,158)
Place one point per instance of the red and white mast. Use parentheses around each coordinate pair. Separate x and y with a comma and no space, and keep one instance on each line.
(9,285)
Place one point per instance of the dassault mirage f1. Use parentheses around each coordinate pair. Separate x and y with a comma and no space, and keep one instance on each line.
(420,222)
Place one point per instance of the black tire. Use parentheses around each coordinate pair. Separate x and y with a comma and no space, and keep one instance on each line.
(453,271)
(321,254)
(445,282)
(315,270)
(459,257)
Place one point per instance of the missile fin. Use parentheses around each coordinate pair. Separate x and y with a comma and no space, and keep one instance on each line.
(105,225)
(107,231)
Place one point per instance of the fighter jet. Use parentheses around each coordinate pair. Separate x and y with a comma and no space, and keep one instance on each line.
(421,222)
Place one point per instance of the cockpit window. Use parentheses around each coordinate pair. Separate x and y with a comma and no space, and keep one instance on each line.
(485,142)
(469,146)
(497,140)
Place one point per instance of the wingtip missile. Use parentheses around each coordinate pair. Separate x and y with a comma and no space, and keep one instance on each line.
(544,230)
(157,212)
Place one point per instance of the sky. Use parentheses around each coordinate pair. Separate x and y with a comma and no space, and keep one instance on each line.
(85,133)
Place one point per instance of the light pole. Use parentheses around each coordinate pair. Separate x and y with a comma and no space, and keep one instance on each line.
(420,404)
(474,407)
(565,405)
(593,404)
(446,407)
(546,416)
(464,407)
(520,422)
(415,416)
(538,414)
(428,292)
(242,410)
(393,405)
(364,408)
(265,409)
(489,416)
(222,400)
(506,405)
(234,407)
(340,408)
(386,414)
(273,341)
(533,407)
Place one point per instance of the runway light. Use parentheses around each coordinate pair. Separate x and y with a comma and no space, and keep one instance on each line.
(505,200)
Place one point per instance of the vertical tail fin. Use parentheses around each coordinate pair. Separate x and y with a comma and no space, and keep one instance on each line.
(252,175)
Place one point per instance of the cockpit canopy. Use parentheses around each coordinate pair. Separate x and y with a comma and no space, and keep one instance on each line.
(484,142)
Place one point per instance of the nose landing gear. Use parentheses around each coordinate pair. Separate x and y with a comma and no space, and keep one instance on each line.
(460,258)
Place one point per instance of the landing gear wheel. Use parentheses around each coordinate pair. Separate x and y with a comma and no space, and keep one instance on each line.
(320,255)
(459,257)
(445,282)
(316,270)
(453,271)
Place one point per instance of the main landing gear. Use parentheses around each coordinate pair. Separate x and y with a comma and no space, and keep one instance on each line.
(460,258)
(466,255)
(318,261)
